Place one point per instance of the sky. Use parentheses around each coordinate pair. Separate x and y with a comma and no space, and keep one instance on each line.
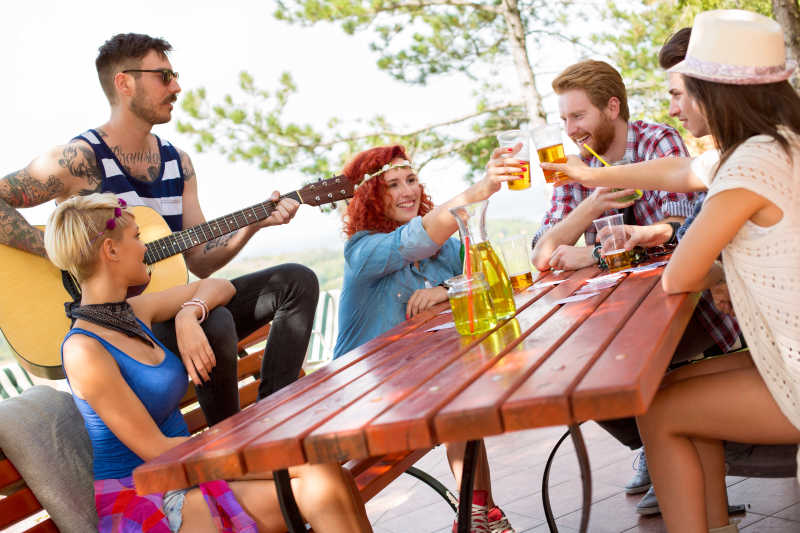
(50,93)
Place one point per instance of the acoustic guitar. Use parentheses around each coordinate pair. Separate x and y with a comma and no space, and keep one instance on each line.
(33,293)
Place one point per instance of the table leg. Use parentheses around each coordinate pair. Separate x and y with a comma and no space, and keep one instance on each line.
(586,474)
(586,478)
(291,514)
(467,481)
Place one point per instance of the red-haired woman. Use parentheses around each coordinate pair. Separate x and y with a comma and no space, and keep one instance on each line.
(398,253)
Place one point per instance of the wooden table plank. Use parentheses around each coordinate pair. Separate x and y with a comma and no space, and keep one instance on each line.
(168,470)
(344,436)
(283,444)
(543,398)
(477,409)
(625,377)
(410,423)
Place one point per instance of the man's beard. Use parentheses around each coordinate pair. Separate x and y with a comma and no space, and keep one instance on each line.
(602,137)
(141,109)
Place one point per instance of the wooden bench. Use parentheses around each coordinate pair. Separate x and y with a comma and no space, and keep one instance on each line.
(371,475)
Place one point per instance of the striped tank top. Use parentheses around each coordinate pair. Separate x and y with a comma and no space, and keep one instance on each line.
(164,195)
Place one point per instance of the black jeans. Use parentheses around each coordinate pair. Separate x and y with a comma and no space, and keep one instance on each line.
(285,295)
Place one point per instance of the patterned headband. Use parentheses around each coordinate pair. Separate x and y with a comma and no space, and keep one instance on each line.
(385,168)
(111,223)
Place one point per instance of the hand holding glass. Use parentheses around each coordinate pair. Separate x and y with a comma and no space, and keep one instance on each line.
(509,139)
(549,148)
(611,236)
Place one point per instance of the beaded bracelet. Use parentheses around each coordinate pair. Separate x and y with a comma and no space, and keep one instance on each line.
(197,302)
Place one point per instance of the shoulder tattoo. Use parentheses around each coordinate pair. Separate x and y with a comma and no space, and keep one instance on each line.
(80,161)
(186,165)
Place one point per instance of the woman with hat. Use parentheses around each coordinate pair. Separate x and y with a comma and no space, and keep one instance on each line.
(397,255)
(736,71)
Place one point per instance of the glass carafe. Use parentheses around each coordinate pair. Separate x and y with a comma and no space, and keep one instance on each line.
(481,257)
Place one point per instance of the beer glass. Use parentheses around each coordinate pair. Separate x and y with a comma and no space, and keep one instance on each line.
(549,148)
(516,258)
(509,139)
(471,304)
(611,236)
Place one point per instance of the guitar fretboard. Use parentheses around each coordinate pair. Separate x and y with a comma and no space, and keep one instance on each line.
(181,241)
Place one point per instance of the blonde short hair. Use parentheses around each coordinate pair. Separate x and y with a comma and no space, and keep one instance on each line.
(72,237)
(601,82)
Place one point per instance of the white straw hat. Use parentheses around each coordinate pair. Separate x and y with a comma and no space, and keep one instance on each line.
(736,47)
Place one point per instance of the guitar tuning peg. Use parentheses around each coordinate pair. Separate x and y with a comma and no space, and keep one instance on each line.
(333,205)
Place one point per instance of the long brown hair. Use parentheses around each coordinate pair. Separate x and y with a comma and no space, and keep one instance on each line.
(737,112)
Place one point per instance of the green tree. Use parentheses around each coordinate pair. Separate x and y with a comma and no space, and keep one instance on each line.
(415,40)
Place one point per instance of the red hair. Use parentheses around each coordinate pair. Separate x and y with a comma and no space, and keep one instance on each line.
(367,209)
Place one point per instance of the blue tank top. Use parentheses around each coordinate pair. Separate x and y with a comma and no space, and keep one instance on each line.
(165,194)
(160,388)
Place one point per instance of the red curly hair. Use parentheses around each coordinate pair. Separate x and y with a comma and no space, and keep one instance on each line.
(367,209)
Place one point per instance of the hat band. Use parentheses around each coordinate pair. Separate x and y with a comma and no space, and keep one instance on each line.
(735,74)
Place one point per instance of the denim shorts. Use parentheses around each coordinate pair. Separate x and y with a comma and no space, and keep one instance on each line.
(173,508)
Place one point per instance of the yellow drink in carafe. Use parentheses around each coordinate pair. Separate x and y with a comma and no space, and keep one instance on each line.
(484,259)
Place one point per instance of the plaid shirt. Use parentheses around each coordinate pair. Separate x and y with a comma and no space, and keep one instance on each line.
(721,327)
(645,141)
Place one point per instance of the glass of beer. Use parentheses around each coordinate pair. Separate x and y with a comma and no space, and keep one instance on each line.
(509,139)
(471,304)
(549,148)
(516,258)
(611,236)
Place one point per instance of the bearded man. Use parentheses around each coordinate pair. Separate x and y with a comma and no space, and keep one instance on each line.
(593,104)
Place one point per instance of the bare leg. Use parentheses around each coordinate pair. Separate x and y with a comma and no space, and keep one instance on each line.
(196,516)
(483,481)
(325,494)
(682,431)
(709,366)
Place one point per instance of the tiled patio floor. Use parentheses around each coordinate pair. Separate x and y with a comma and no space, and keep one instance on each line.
(517,463)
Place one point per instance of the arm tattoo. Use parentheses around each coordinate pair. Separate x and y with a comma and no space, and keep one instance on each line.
(15,231)
(219,242)
(188,168)
(81,165)
(20,189)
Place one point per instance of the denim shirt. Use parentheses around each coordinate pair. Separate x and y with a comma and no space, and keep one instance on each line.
(380,276)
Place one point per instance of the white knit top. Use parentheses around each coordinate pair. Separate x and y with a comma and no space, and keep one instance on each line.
(762,265)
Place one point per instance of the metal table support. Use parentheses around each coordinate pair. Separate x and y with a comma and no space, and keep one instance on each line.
(586,479)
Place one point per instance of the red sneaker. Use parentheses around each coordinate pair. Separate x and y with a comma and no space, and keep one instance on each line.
(498,523)
(479,522)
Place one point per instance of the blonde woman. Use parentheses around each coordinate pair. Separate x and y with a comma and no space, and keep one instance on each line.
(127,386)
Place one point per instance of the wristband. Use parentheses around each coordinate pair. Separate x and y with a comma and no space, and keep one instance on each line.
(673,239)
(197,302)
(599,258)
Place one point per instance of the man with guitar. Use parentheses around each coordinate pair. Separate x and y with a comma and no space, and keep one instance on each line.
(124,157)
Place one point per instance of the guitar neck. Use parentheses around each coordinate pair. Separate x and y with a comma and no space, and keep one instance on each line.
(181,241)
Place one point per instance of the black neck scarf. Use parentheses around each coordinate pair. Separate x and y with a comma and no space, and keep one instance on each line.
(117,316)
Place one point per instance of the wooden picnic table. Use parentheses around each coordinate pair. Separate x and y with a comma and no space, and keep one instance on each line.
(552,364)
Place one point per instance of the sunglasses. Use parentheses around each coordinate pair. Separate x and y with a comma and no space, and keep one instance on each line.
(167,75)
